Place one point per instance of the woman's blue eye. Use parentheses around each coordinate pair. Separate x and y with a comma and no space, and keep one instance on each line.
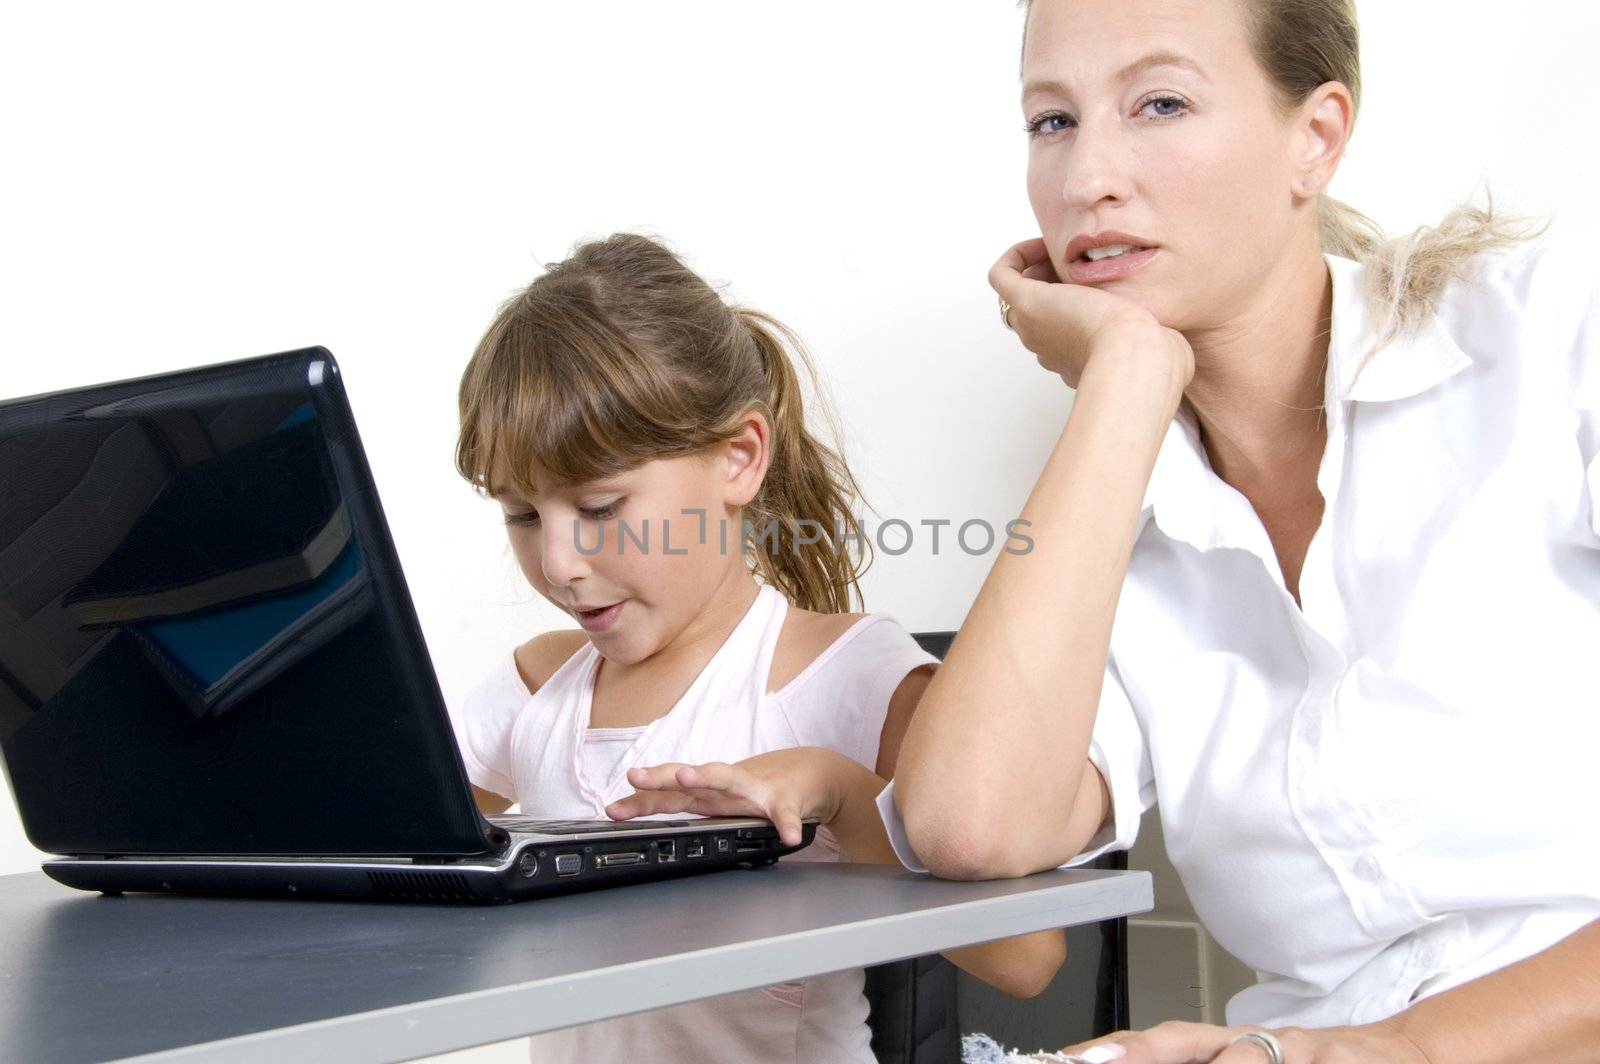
(1182,105)
(1045,123)
(529,518)
(1055,121)
(604,512)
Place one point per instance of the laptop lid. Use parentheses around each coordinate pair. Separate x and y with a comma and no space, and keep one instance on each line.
(206,642)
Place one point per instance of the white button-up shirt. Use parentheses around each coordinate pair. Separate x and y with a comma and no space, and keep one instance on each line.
(1396,788)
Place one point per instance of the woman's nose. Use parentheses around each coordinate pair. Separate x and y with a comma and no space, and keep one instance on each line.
(1098,170)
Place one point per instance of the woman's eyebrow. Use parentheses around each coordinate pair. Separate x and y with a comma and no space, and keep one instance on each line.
(1127,73)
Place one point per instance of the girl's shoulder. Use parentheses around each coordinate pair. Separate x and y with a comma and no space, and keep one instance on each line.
(805,636)
(538,659)
(810,642)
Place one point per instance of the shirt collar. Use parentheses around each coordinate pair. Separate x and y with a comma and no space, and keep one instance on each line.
(1191,503)
(1404,366)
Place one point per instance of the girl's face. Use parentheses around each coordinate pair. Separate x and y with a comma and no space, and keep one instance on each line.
(1152,118)
(634,558)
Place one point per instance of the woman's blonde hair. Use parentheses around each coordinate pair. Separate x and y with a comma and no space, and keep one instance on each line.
(621,354)
(1303,44)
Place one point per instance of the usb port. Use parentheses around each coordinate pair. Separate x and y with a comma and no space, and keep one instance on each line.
(615,860)
(722,845)
(568,864)
(667,851)
(696,848)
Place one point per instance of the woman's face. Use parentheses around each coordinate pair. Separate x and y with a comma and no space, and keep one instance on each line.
(1152,118)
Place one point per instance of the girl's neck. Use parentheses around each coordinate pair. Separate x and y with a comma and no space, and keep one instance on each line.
(1259,381)
(693,647)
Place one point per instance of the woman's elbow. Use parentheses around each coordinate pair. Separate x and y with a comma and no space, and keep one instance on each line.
(955,851)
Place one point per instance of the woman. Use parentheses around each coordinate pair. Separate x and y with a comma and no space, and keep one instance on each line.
(1358,559)
(1340,495)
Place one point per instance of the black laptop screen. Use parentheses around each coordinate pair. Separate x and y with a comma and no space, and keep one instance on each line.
(205,643)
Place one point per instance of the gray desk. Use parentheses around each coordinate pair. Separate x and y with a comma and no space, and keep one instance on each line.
(153,978)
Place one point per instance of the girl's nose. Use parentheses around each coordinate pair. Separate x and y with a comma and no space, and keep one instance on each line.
(561,557)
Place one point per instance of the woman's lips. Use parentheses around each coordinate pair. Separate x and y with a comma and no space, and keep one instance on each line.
(1085,271)
(599,620)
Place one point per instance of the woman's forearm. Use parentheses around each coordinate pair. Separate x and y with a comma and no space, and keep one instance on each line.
(995,755)
(1545,1008)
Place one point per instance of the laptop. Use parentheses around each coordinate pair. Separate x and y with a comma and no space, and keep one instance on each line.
(212,678)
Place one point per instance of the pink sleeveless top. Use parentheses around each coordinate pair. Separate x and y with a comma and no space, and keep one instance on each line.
(540,750)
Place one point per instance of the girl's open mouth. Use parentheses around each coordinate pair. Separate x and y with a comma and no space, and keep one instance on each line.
(598,620)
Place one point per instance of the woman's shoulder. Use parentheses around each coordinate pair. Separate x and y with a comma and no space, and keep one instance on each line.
(1547,280)
(538,659)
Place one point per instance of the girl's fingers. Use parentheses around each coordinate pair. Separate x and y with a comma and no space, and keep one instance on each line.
(714,776)
(655,777)
(645,803)
(787,820)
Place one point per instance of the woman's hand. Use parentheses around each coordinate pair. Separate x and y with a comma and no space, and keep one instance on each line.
(1202,1043)
(785,787)
(1065,325)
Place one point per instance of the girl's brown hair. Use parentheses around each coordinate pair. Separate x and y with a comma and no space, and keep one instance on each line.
(621,354)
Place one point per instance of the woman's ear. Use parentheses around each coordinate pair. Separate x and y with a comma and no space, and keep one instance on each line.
(1322,131)
(747,454)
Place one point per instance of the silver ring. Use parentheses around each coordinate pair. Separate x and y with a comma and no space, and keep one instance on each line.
(1005,313)
(1266,1041)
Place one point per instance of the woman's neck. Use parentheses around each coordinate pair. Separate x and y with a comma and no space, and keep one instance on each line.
(1259,380)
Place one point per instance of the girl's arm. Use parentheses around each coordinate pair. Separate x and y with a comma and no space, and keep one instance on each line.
(790,786)
(489,801)
(1021,967)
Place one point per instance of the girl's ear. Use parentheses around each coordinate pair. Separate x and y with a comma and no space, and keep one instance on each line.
(748,453)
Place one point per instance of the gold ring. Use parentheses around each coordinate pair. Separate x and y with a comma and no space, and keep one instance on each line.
(1005,314)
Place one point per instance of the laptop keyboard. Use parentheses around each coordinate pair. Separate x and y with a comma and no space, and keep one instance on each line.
(579,827)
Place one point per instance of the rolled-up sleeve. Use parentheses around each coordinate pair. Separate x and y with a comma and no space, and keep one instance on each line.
(1117,748)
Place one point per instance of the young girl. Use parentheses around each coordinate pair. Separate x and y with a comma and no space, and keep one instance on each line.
(631,425)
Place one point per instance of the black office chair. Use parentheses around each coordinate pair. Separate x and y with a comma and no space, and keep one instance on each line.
(921,1007)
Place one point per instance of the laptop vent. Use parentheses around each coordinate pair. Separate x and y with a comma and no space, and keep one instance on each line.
(422,886)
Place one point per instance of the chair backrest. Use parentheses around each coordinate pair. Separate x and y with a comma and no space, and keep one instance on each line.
(919,1008)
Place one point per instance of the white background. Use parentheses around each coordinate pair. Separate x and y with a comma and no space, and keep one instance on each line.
(191,183)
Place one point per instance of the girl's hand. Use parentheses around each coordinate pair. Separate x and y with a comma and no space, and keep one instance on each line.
(785,787)
(1064,325)
(1202,1043)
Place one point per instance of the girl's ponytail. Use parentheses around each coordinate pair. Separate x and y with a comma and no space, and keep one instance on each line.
(802,520)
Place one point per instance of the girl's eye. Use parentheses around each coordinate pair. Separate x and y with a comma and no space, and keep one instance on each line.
(529,518)
(602,513)
(1049,122)
(1179,106)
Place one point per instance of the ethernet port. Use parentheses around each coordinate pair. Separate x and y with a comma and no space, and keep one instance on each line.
(667,851)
